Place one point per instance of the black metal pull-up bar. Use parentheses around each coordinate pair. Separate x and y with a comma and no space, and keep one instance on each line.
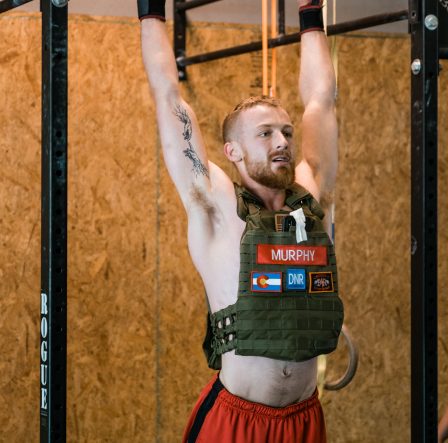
(6,5)
(282,40)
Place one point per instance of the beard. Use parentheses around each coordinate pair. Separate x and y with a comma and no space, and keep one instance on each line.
(262,173)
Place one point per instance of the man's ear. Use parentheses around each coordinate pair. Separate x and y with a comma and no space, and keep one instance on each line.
(233,151)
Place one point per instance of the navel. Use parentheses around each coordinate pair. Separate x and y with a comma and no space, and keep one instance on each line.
(286,372)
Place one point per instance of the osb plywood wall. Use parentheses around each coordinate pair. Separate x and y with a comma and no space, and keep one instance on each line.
(136,305)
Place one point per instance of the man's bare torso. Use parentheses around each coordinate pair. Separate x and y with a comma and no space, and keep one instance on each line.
(259,379)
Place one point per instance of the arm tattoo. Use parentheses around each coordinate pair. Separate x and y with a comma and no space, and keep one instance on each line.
(198,167)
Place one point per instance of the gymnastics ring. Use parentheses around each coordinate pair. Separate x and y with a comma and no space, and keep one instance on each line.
(352,364)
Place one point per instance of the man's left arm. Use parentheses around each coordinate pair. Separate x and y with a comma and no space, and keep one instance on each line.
(319,144)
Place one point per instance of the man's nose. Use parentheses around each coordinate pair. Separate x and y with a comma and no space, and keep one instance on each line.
(281,142)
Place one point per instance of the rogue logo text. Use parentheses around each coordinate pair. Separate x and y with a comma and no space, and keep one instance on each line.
(44,353)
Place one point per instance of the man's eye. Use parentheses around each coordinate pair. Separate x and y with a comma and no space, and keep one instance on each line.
(287,134)
(264,133)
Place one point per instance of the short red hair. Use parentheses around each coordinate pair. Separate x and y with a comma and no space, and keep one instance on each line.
(231,118)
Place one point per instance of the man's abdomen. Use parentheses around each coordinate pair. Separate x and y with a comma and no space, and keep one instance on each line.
(271,382)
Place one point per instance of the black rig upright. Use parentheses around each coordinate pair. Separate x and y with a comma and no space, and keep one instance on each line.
(423,20)
(53,368)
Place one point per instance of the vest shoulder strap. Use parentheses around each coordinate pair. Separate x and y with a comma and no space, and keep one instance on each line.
(296,197)
(299,196)
(247,203)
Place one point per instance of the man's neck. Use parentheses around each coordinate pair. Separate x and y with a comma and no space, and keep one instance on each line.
(273,199)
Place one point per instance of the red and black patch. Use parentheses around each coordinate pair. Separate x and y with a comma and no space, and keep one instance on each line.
(321,282)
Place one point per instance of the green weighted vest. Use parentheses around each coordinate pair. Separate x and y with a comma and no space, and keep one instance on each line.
(288,306)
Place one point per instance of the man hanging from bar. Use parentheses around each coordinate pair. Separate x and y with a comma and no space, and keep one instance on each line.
(273,293)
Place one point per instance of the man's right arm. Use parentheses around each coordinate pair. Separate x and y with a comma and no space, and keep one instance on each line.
(182,144)
(202,186)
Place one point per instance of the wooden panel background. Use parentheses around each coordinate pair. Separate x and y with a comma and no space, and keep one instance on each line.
(136,305)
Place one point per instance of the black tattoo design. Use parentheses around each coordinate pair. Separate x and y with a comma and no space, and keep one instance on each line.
(198,167)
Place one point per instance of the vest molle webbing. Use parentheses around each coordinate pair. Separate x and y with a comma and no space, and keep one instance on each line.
(288,306)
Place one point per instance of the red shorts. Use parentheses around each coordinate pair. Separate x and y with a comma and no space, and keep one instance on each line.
(221,417)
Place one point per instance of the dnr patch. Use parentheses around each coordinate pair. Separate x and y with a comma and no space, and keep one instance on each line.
(296,279)
(266,281)
(321,282)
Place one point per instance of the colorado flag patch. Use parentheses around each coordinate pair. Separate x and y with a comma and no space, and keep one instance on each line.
(266,281)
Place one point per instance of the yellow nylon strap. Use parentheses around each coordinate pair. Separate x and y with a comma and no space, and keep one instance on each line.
(264,40)
(273,89)
(334,46)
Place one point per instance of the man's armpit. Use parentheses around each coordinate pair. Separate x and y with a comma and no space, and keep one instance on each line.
(326,200)
(200,199)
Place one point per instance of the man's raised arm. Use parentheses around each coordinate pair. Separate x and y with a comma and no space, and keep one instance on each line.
(182,144)
(317,83)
